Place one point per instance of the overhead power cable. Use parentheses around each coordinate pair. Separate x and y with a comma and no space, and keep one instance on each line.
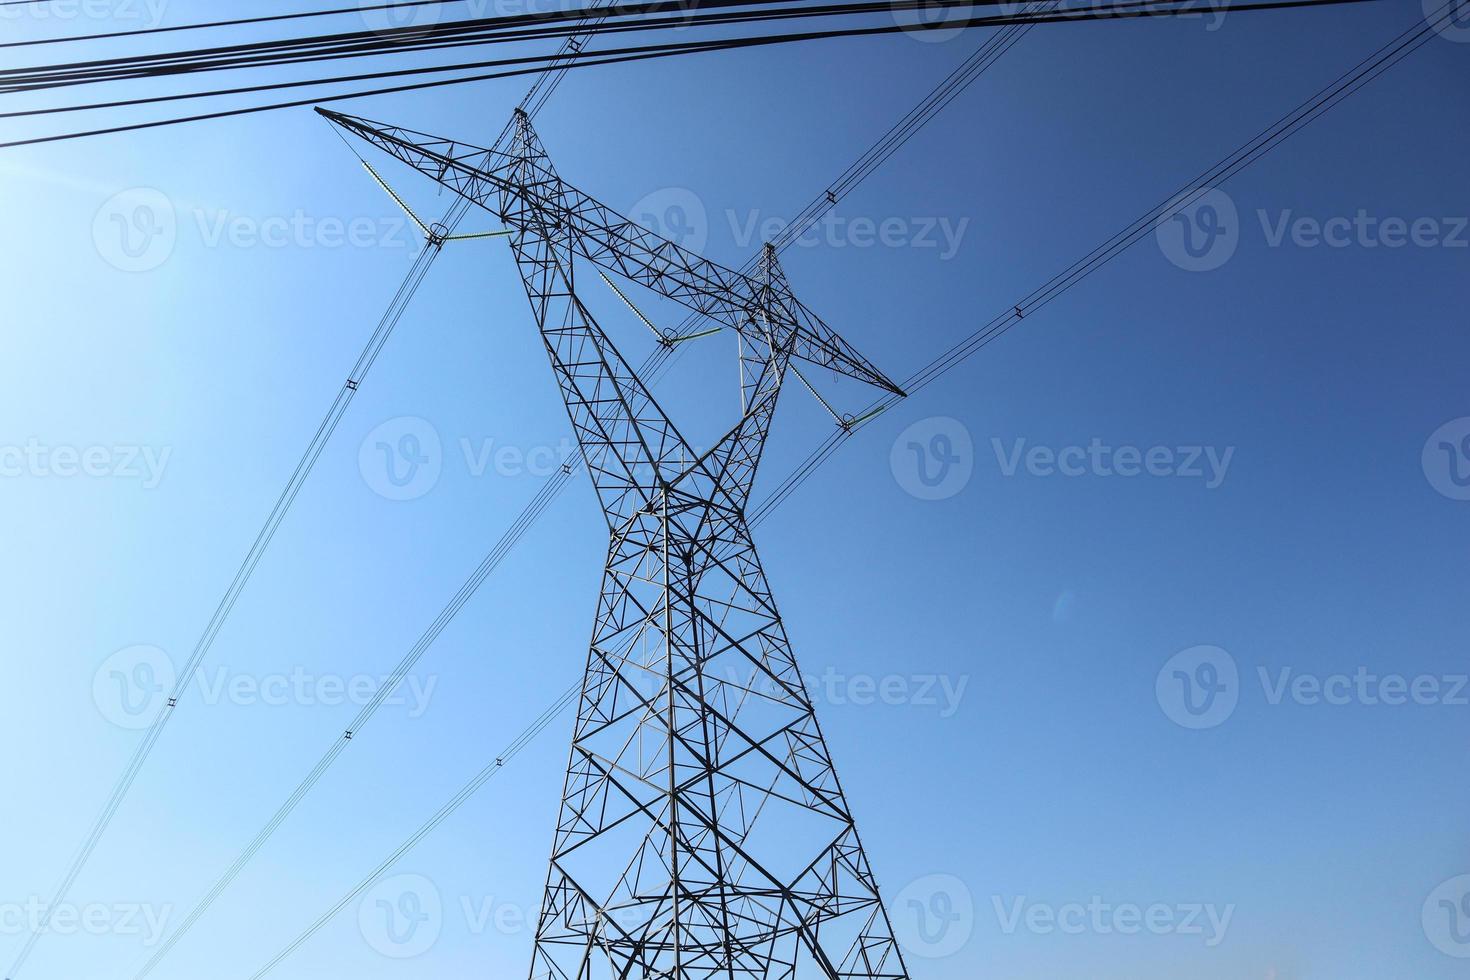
(397,6)
(894,139)
(651,369)
(568,698)
(1347,84)
(502,547)
(1123,10)
(414,278)
(970,69)
(646,15)
(802,472)
(1288,125)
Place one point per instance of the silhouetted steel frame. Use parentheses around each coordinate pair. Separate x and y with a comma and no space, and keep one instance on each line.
(687,510)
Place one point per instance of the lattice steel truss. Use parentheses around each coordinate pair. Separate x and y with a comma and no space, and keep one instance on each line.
(703,832)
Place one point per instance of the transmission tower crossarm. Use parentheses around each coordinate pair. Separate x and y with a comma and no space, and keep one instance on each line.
(618,244)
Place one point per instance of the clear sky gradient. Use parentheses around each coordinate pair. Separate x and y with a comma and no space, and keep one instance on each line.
(1000,628)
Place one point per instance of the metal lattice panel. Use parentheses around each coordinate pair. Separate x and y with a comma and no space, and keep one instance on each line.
(703,832)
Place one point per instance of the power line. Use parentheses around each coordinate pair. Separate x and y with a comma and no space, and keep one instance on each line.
(365,360)
(1285,127)
(1115,11)
(1329,97)
(897,136)
(29,83)
(868,162)
(926,380)
(528,516)
(652,15)
(210,25)
(365,8)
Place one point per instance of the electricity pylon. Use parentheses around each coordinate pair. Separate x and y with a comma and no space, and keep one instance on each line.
(703,832)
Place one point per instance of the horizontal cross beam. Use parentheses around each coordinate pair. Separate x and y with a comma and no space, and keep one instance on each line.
(619,244)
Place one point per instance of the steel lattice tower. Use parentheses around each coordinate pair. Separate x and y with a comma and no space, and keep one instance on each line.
(703,832)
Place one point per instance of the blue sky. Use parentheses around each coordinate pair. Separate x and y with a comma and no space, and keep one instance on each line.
(1032,753)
